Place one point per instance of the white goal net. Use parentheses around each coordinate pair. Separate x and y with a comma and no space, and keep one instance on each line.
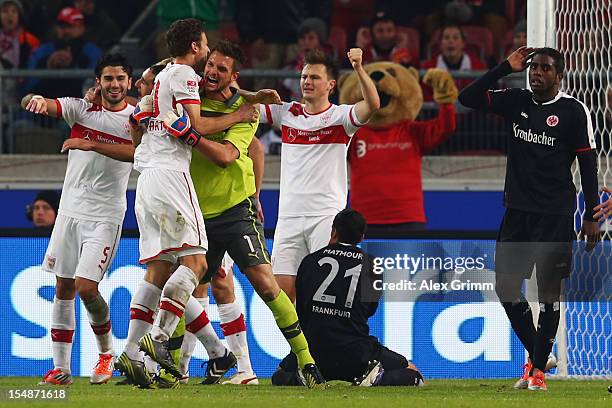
(583,33)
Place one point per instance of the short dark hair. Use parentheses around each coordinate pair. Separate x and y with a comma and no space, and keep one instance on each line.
(452,25)
(232,50)
(350,226)
(181,34)
(380,16)
(555,55)
(317,56)
(112,60)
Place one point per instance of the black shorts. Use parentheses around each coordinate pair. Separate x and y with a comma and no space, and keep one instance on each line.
(350,362)
(526,239)
(238,232)
(341,363)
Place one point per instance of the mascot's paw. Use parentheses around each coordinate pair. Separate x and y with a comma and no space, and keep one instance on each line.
(443,85)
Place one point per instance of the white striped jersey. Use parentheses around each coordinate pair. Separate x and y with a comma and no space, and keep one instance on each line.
(313,178)
(176,83)
(95,185)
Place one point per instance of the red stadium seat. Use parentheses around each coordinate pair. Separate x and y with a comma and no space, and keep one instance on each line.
(229,32)
(413,41)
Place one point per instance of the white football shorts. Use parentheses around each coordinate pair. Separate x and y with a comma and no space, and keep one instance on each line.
(81,248)
(169,218)
(296,237)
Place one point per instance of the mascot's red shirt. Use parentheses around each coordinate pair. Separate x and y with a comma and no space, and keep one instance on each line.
(385,167)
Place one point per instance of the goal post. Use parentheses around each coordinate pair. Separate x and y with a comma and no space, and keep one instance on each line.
(581,30)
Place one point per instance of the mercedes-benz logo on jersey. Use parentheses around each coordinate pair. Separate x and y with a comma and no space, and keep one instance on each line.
(87,135)
(292,134)
(362,148)
(552,120)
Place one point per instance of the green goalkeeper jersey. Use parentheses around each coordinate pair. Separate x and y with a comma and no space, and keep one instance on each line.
(219,189)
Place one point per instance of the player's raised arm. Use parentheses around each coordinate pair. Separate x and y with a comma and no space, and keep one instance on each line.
(39,105)
(371,101)
(476,95)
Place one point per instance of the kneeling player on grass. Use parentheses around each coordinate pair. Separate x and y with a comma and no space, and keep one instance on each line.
(332,289)
(547,131)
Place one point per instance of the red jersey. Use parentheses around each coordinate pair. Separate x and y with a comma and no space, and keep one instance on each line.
(385,167)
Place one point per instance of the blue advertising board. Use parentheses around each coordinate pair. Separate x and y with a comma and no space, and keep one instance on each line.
(444,338)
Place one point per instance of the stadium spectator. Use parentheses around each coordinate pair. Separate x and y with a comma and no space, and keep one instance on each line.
(69,50)
(270,27)
(312,34)
(169,11)
(16,44)
(452,57)
(519,39)
(42,211)
(519,35)
(381,41)
(101,29)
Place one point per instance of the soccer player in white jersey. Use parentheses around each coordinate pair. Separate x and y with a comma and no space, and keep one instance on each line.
(93,203)
(168,213)
(313,180)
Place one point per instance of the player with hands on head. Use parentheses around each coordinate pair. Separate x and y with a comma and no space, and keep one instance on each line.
(546,131)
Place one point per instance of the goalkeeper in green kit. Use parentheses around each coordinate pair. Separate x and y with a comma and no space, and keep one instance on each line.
(224,181)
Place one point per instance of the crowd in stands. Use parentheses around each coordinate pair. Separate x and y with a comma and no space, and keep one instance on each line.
(450,34)
(453,34)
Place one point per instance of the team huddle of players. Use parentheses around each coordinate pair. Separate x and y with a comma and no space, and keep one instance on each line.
(191,138)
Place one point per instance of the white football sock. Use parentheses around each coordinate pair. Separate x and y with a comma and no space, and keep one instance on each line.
(142,309)
(99,319)
(197,322)
(177,291)
(63,322)
(234,330)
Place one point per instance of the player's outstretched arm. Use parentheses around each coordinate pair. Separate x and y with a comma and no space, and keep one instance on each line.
(475,94)
(179,126)
(257,155)
(121,152)
(371,101)
(39,104)
(245,113)
(263,96)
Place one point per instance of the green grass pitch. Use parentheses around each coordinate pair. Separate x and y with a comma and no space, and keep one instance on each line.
(437,393)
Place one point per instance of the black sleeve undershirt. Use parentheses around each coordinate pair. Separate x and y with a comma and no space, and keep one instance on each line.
(588,177)
(475,94)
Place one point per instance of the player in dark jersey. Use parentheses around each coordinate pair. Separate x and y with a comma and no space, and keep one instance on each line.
(547,130)
(334,299)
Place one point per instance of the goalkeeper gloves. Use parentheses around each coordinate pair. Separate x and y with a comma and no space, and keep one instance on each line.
(143,111)
(178,125)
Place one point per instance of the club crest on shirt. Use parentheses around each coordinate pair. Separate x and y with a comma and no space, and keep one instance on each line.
(552,120)
(325,119)
(50,262)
